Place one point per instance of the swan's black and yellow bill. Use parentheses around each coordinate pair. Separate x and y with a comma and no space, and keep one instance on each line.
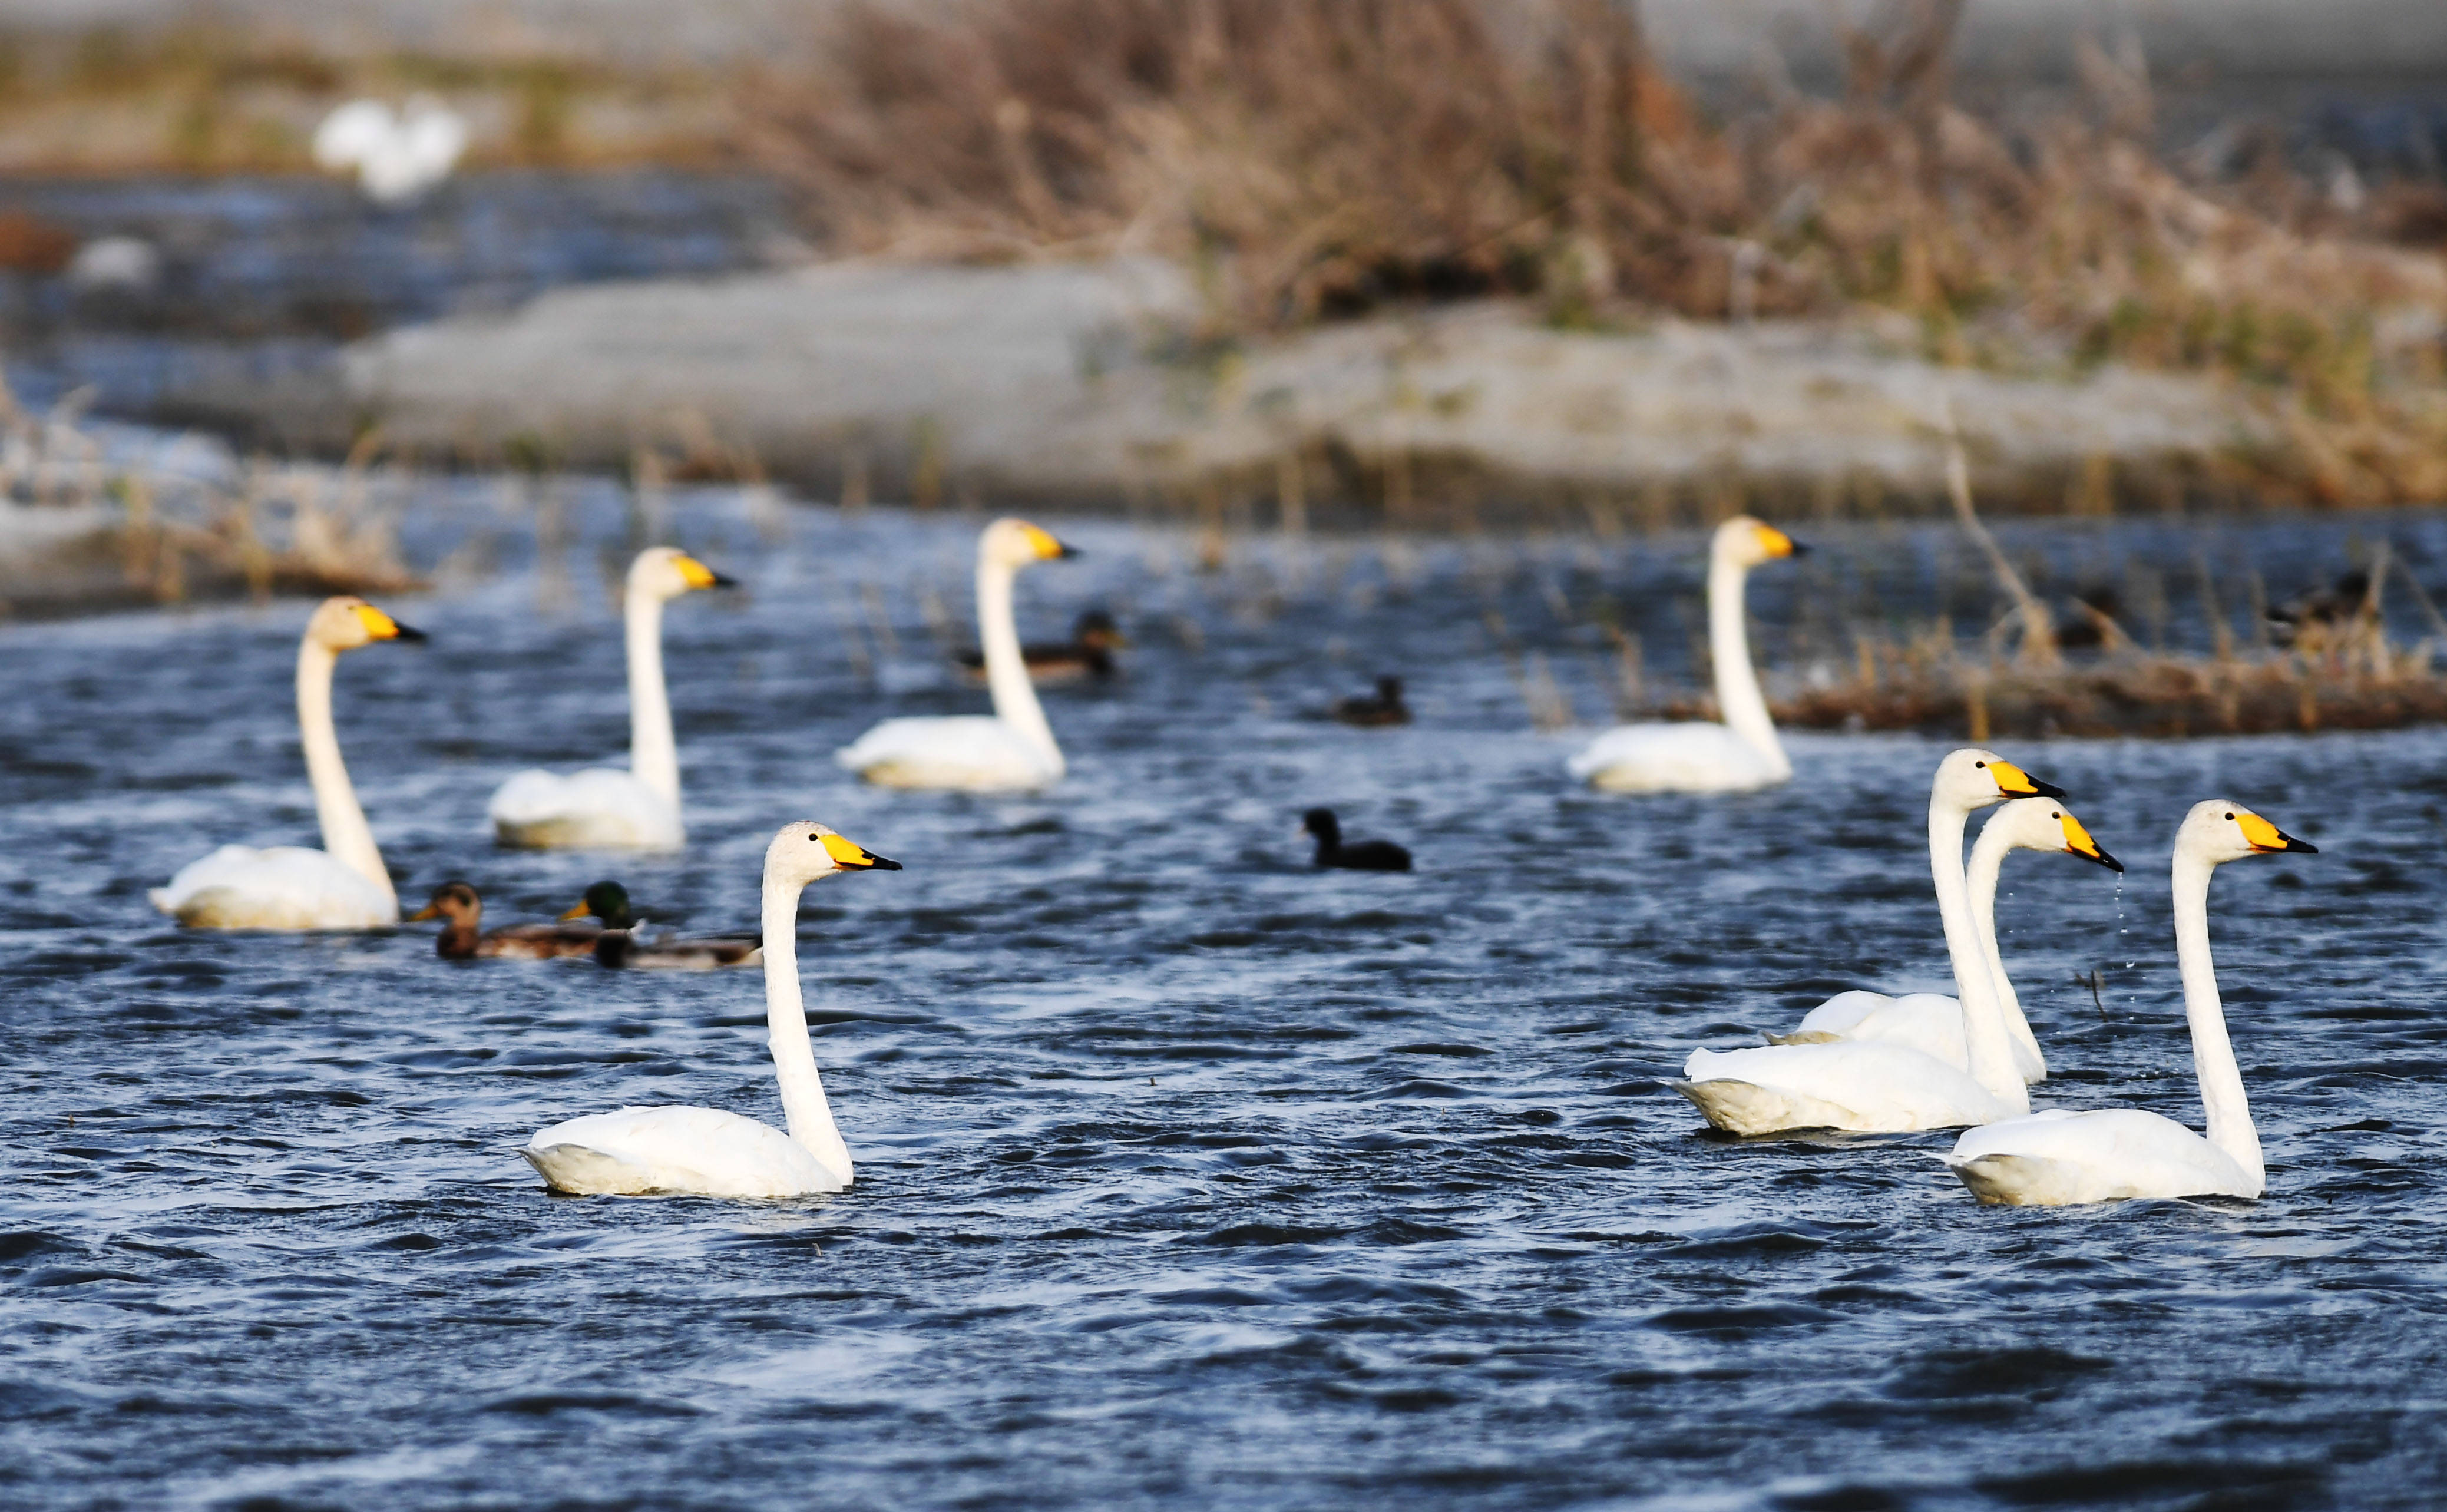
(2264,837)
(382,627)
(1776,543)
(2015,782)
(1045,546)
(697,574)
(850,856)
(2077,843)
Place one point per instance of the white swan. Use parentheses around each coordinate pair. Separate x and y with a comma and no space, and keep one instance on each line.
(341,886)
(395,157)
(705,1151)
(1011,750)
(2109,1154)
(601,808)
(1930,1022)
(1872,1086)
(1743,751)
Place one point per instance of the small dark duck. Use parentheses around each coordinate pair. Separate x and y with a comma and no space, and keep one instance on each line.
(461,940)
(1374,710)
(1366,855)
(1087,655)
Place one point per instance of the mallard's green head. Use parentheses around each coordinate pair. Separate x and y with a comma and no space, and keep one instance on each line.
(608,901)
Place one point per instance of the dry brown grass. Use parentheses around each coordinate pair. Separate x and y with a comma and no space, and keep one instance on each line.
(1317,158)
(87,532)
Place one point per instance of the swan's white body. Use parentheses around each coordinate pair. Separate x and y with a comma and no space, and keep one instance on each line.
(602,808)
(342,886)
(395,157)
(1742,752)
(705,1151)
(1929,1022)
(2056,1157)
(1880,1087)
(1011,750)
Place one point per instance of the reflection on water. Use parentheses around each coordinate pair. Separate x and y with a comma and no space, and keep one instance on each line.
(1189,1176)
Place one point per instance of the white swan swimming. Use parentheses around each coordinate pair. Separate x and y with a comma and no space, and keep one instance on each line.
(341,886)
(1012,750)
(1738,754)
(1873,1086)
(602,808)
(1929,1022)
(2107,1155)
(705,1151)
(395,157)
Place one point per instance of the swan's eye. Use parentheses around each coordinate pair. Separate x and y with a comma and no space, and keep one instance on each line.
(1981,765)
(819,839)
(2230,816)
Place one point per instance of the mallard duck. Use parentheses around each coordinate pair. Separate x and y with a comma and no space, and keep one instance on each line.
(1365,855)
(1088,654)
(460,940)
(625,950)
(607,902)
(1369,711)
(619,945)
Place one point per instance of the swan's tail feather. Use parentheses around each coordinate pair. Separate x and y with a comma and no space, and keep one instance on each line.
(1807,1036)
(2018,1180)
(574,1168)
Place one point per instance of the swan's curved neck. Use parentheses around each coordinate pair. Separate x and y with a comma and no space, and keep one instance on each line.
(347,838)
(1987,859)
(653,759)
(1015,694)
(2230,1111)
(1738,688)
(1983,1025)
(810,1118)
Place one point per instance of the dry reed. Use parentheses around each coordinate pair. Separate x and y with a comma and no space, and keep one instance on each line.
(1321,158)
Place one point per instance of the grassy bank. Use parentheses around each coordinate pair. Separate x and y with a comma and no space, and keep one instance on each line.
(1318,159)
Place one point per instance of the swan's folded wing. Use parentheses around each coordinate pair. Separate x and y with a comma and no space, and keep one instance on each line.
(701,1150)
(1918,1021)
(2101,1155)
(1692,758)
(278,887)
(965,751)
(1878,1087)
(600,805)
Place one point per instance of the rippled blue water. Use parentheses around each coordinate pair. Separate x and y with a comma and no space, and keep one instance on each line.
(1188,1177)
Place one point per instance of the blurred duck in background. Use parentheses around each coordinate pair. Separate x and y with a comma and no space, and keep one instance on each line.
(396,157)
(1361,856)
(1374,710)
(602,808)
(2326,618)
(462,938)
(1088,655)
(1012,748)
(341,886)
(1740,753)
(2108,1155)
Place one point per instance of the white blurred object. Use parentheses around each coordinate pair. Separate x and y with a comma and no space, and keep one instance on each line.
(116,262)
(395,157)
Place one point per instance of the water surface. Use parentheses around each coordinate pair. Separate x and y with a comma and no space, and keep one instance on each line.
(1188,1177)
